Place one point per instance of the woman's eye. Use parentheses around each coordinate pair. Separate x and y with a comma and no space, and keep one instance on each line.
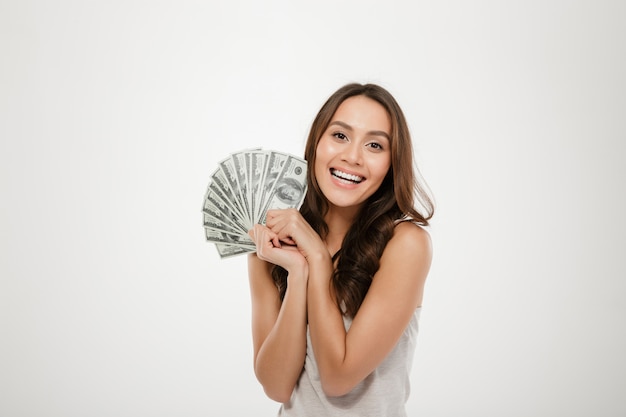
(340,135)
(376,146)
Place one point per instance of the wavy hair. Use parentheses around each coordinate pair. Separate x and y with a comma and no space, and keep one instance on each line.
(398,198)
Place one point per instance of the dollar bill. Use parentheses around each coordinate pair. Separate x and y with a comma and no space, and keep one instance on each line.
(243,187)
(216,213)
(256,164)
(222,236)
(232,180)
(221,191)
(275,165)
(239,162)
(226,251)
(289,188)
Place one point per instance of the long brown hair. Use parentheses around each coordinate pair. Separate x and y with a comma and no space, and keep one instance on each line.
(402,189)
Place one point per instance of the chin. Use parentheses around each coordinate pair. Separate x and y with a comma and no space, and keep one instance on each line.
(345,204)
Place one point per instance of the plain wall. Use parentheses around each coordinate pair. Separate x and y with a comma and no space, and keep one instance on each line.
(113,115)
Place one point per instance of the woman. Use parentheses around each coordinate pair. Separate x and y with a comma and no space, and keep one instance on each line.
(337,287)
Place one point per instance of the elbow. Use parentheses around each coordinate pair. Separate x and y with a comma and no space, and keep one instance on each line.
(335,391)
(275,388)
(278,394)
(336,387)
(337,380)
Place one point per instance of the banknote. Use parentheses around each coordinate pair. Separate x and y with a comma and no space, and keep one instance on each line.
(288,189)
(243,187)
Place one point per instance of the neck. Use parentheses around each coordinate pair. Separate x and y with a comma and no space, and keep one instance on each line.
(339,221)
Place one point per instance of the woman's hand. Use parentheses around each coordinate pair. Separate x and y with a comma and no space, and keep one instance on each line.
(269,248)
(288,226)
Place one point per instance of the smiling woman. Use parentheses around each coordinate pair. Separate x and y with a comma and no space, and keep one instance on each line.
(337,287)
(353,154)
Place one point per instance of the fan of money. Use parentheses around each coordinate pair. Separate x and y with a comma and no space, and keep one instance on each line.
(241,190)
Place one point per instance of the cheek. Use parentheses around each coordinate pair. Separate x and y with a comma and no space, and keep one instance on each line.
(321,157)
(319,170)
(381,168)
(324,148)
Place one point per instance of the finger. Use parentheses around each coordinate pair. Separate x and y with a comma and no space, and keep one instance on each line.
(279,222)
(262,236)
(267,236)
(256,232)
(270,217)
(270,214)
(275,241)
(288,240)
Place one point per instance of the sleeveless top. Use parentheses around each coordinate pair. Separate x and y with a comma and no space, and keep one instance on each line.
(383,393)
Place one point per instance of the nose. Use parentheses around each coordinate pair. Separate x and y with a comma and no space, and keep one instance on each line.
(352,153)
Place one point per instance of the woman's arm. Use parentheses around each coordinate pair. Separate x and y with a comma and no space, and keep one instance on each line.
(278,329)
(346,358)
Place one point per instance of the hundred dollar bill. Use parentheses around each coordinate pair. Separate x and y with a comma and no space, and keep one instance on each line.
(232,179)
(274,166)
(221,236)
(221,180)
(226,250)
(216,213)
(256,162)
(221,190)
(289,188)
(239,162)
(213,201)
(242,188)
(210,222)
(225,207)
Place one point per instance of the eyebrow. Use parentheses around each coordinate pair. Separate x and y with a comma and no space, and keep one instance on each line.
(371,132)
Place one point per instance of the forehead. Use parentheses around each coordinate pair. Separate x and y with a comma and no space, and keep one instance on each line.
(362,112)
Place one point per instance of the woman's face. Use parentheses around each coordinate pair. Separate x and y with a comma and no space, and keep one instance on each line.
(353,155)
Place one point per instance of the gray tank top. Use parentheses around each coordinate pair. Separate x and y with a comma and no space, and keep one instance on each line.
(383,393)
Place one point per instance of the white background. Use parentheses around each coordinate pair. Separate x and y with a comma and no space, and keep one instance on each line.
(113,114)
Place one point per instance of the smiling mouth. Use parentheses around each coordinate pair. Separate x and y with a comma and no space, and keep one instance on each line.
(355,179)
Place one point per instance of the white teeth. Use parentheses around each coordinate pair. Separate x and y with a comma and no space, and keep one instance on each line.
(345,176)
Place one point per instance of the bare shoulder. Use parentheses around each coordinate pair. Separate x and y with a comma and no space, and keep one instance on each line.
(406,260)
(398,285)
(409,238)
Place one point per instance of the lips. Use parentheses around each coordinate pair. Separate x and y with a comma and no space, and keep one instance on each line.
(355,179)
